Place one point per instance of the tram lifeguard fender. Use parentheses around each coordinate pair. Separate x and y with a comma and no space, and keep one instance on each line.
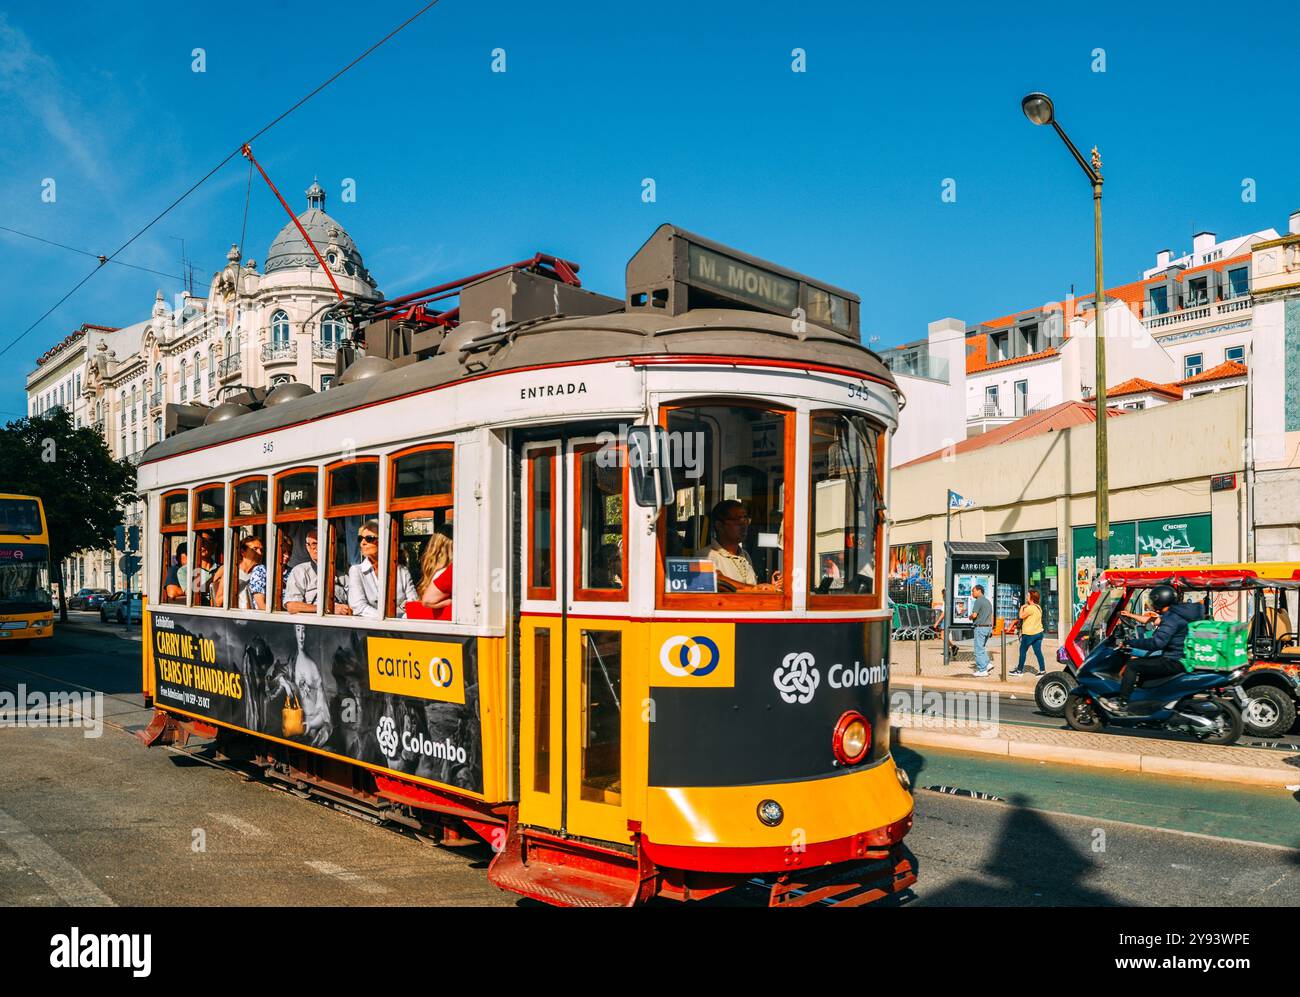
(716,828)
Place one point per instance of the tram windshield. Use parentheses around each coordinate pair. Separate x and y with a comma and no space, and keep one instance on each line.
(726,527)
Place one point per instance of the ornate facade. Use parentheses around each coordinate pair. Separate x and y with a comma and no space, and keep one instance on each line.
(253,329)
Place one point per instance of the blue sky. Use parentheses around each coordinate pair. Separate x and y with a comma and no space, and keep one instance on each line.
(836,171)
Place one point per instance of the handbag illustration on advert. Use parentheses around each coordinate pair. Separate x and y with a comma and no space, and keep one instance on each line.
(291,717)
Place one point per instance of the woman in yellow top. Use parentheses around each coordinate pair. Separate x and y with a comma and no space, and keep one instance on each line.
(1031,632)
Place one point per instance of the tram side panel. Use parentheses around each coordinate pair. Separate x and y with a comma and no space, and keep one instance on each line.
(408,704)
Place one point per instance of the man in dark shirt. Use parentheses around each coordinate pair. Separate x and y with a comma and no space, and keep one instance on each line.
(1168,640)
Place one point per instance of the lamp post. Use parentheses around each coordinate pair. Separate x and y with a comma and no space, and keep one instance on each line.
(1038,109)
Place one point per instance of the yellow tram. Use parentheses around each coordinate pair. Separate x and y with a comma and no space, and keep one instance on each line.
(598,580)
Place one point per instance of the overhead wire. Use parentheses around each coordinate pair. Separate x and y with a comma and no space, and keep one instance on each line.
(210,173)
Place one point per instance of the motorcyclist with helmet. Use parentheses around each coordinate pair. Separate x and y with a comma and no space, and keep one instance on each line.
(1166,642)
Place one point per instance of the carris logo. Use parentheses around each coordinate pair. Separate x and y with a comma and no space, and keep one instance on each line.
(797,677)
(386,732)
(696,656)
(440,672)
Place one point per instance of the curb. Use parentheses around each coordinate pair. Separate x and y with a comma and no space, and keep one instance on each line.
(960,683)
(1121,761)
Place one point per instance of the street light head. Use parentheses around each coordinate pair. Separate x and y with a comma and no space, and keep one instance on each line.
(1038,108)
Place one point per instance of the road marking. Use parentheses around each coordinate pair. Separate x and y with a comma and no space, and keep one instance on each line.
(58,873)
(347,876)
(240,825)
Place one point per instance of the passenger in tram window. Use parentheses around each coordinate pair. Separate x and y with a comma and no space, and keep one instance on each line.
(204,568)
(611,567)
(363,578)
(177,575)
(251,551)
(304,581)
(436,575)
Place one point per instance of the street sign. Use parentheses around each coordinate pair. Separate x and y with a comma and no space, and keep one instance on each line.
(129,564)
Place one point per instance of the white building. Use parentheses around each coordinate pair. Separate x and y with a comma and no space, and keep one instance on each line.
(253,329)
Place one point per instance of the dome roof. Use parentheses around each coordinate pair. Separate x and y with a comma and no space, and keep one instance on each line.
(289,250)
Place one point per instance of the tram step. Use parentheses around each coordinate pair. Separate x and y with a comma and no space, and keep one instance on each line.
(566,874)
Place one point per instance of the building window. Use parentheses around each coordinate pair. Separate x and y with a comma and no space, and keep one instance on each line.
(1159,300)
(1193,364)
(1022,398)
(326,382)
(280,330)
(280,379)
(1238,282)
(332,331)
(991,400)
(999,347)
(1235,354)
(1198,292)
(157,429)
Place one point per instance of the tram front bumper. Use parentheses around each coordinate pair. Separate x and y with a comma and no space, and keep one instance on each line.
(852,817)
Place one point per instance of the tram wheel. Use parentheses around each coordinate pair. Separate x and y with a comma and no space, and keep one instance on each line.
(1080,714)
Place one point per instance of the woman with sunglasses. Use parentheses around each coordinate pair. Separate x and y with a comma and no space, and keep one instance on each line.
(363,578)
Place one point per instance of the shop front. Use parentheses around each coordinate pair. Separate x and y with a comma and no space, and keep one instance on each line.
(1032,563)
(1143,543)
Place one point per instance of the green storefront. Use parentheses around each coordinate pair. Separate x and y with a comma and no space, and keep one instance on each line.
(1143,543)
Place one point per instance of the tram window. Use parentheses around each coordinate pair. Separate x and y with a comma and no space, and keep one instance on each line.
(541,523)
(296,575)
(241,582)
(601,536)
(726,531)
(352,511)
(420,534)
(846,493)
(175,551)
(602,734)
(209,544)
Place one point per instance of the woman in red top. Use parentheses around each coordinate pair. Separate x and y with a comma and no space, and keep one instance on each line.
(436,574)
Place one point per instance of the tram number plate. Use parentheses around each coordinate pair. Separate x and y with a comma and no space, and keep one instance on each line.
(859,391)
(690,574)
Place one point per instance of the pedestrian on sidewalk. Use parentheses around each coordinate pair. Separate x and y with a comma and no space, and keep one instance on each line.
(1031,632)
(940,611)
(981,612)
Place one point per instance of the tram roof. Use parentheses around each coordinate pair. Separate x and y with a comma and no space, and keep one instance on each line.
(474,350)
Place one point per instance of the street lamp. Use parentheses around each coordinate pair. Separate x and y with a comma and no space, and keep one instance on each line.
(1039,110)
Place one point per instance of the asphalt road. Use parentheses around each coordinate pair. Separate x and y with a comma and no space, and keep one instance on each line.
(102,820)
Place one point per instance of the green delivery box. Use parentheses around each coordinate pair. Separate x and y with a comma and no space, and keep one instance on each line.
(1215,645)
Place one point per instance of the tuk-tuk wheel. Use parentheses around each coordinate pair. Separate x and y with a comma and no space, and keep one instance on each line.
(1270,712)
(1052,691)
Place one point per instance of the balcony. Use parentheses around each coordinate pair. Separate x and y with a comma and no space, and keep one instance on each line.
(155,400)
(184,394)
(1195,306)
(212,380)
(916,363)
(323,351)
(196,389)
(228,367)
(990,414)
(279,352)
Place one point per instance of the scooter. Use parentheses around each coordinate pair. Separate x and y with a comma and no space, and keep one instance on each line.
(1204,704)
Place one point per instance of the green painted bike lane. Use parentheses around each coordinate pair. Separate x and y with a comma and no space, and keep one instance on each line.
(1246,813)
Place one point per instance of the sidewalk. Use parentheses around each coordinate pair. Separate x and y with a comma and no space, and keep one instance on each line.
(958,674)
(89,623)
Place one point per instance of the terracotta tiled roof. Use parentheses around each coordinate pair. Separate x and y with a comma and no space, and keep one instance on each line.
(1226,370)
(1140,386)
(1050,420)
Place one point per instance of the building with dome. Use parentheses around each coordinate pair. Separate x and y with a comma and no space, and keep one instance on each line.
(255,328)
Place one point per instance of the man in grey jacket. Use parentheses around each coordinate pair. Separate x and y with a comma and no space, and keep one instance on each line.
(981,612)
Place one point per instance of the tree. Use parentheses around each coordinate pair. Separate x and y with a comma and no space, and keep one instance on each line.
(81,485)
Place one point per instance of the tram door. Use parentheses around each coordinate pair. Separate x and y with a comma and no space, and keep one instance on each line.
(574,711)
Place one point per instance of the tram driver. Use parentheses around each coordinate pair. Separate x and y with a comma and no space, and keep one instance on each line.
(363,578)
(735,571)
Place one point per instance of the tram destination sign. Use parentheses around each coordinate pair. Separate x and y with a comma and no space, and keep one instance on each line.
(760,287)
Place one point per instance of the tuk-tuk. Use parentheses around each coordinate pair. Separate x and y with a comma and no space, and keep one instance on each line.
(1266,596)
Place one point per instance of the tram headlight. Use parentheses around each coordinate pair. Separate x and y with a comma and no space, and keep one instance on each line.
(771,813)
(852,738)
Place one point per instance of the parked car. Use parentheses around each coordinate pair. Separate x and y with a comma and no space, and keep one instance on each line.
(115,608)
(79,600)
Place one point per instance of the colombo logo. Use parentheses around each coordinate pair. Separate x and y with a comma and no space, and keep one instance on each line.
(386,732)
(797,677)
(440,672)
(696,656)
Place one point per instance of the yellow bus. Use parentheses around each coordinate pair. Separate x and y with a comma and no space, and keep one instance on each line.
(26,608)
